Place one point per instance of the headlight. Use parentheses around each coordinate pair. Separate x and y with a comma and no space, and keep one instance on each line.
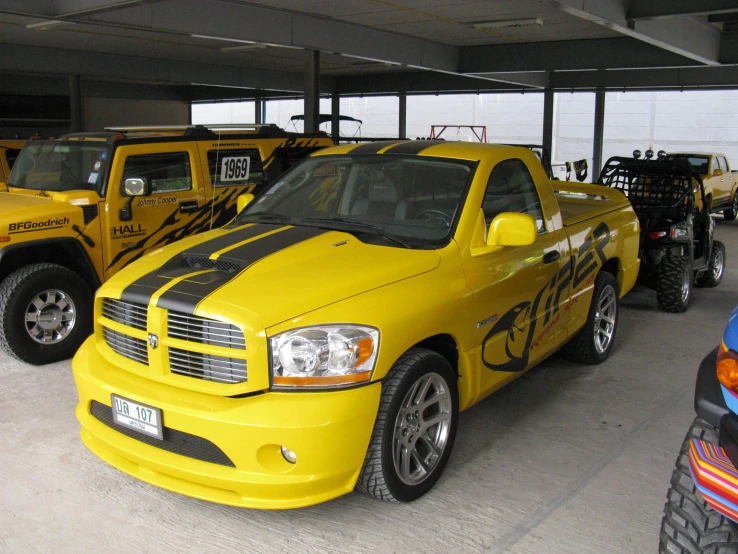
(324,356)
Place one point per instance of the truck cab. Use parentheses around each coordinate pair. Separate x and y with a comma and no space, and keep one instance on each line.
(717,178)
(76,210)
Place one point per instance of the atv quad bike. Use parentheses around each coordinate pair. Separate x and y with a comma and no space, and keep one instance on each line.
(677,248)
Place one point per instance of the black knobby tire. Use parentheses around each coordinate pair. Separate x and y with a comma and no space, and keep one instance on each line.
(731,213)
(689,525)
(712,277)
(378,477)
(582,347)
(674,273)
(16,293)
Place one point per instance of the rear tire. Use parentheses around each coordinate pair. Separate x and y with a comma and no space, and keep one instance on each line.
(716,267)
(689,525)
(593,343)
(731,213)
(400,432)
(48,302)
(674,284)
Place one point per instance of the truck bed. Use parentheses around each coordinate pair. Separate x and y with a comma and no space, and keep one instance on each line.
(580,202)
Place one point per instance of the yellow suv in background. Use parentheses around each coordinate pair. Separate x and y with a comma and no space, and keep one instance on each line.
(77,209)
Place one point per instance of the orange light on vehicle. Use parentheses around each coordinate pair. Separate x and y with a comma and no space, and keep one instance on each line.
(727,368)
(4,239)
(327,381)
(366,348)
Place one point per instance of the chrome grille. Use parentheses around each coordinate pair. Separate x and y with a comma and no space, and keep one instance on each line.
(132,315)
(205,331)
(206,366)
(130,347)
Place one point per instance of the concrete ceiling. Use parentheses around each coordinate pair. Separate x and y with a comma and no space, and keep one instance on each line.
(235,49)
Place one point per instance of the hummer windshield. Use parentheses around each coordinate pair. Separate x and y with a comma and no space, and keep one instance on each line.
(411,201)
(61,166)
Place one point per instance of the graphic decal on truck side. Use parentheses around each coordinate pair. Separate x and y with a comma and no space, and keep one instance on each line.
(520,323)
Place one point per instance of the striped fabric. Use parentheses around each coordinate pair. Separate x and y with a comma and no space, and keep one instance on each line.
(715,476)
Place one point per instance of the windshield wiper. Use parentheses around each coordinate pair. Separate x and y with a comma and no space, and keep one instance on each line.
(355,223)
(269,216)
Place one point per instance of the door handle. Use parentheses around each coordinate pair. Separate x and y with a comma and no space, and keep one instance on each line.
(188,207)
(552,256)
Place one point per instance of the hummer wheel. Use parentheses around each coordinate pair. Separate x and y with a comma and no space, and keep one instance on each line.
(45,313)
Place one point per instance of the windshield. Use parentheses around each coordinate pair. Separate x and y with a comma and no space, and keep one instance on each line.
(61,166)
(411,200)
(698,164)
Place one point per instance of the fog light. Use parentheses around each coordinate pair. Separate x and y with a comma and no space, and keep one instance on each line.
(289,455)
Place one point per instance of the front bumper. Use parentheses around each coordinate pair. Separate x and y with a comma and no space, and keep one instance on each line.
(240,437)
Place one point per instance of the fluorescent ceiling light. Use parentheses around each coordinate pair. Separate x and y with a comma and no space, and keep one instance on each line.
(507,23)
(48,24)
(377,60)
(243,47)
(242,41)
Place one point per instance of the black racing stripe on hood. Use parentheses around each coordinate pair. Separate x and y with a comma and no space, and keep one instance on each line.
(413,146)
(374,147)
(186,295)
(143,288)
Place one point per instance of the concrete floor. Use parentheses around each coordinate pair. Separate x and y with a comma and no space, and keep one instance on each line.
(567,459)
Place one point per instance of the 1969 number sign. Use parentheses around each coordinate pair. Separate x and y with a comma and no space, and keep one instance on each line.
(235,169)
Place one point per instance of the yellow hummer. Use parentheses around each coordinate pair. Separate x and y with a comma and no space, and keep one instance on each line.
(77,209)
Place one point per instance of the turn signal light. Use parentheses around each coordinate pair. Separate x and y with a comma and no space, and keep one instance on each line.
(727,368)
(4,239)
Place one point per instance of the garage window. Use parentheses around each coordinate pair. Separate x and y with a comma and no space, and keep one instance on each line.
(166,171)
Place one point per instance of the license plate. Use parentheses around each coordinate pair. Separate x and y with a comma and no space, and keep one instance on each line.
(139,417)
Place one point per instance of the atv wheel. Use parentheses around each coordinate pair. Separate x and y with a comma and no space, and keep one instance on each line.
(689,524)
(674,284)
(414,430)
(593,343)
(45,313)
(715,269)
(731,213)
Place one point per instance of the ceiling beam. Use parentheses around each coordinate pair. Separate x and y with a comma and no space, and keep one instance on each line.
(250,23)
(417,83)
(566,55)
(65,9)
(687,36)
(654,9)
(117,67)
(651,79)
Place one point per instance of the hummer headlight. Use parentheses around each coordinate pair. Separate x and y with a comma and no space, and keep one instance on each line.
(324,356)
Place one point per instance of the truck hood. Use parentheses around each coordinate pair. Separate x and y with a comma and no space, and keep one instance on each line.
(276,273)
(20,212)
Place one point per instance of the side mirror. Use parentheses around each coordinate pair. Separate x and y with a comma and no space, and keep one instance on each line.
(136,186)
(717,173)
(512,229)
(243,201)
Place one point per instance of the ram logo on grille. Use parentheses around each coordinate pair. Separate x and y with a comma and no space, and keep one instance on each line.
(153,341)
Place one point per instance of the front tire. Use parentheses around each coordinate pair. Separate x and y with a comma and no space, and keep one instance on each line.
(689,524)
(45,313)
(674,284)
(715,268)
(731,213)
(415,428)
(593,343)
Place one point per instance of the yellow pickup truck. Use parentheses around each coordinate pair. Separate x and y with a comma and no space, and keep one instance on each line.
(327,338)
(717,178)
(77,209)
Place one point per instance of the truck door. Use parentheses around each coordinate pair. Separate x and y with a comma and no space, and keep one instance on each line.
(175,209)
(714,185)
(232,171)
(726,181)
(520,293)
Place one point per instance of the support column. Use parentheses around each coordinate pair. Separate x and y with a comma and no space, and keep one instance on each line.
(76,107)
(258,111)
(548,122)
(312,91)
(599,134)
(402,130)
(335,121)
